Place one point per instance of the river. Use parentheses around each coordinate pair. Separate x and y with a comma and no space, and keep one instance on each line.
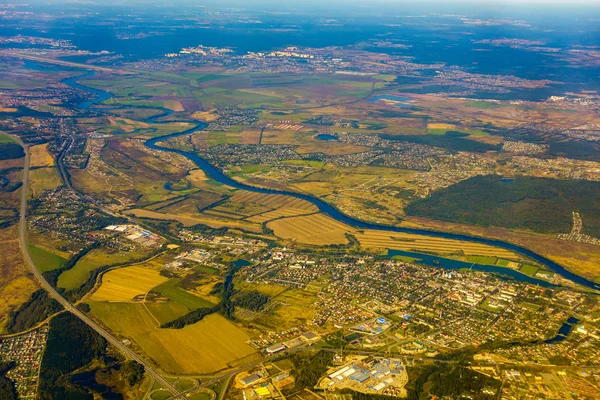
(326,208)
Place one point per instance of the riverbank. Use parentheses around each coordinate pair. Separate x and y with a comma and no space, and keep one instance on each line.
(326,208)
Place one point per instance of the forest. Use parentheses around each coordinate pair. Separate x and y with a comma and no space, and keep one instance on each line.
(453,382)
(9,151)
(309,367)
(253,300)
(538,204)
(71,345)
(7,387)
(39,307)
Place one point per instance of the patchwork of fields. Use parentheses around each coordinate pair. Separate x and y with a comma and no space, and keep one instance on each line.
(373,239)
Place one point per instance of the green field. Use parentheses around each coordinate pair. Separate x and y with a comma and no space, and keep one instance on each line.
(166,312)
(208,270)
(503,263)
(184,384)
(531,306)
(76,276)
(41,179)
(4,138)
(171,290)
(202,396)
(45,260)
(161,395)
(307,163)
(485,260)
(529,269)
(407,259)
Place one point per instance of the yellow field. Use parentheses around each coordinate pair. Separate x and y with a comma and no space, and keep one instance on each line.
(174,105)
(372,239)
(440,126)
(16,285)
(190,221)
(197,177)
(317,229)
(281,212)
(210,345)
(124,284)
(13,295)
(206,116)
(126,125)
(40,157)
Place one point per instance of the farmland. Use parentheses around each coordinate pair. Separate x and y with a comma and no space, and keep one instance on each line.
(96,258)
(45,260)
(273,201)
(372,239)
(40,157)
(189,221)
(242,210)
(317,229)
(124,284)
(210,345)
(43,179)
(15,284)
(171,290)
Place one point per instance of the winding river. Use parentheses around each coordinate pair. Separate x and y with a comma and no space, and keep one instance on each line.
(326,208)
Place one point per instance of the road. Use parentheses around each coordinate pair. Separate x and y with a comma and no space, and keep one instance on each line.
(53,61)
(68,306)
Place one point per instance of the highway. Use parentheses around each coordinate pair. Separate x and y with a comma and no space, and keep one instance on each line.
(126,351)
(54,61)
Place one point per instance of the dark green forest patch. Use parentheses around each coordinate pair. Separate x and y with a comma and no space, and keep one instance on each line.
(538,204)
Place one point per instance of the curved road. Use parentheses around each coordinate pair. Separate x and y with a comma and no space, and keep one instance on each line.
(68,306)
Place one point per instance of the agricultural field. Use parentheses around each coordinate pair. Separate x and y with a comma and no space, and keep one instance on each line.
(40,157)
(187,205)
(145,177)
(530,270)
(273,201)
(77,276)
(243,210)
(171,290)
(45,260)
(294,309)
(380,240)
(293,306)
(163,312)
(316,229)
(43,179)
(16,285)
(267,207)
(208,346)
(125,284)
(190,221)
